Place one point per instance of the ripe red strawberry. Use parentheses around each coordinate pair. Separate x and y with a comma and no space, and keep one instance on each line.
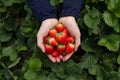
(52,41)
(59,27)
(70,48)
(53,32)
(60,48)
(45,40)
(48,49)
(65,31)
(70,39)
(55,54)
(61,37)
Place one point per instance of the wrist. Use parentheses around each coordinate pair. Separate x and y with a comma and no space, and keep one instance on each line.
(67,19)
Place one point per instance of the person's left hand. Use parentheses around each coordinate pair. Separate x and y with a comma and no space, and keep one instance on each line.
(72,27)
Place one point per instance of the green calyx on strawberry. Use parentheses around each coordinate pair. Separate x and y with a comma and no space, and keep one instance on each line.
(48,49)
(59,27)
(53,32)
(70,48)
(55,54)
(52,41)
(60,48)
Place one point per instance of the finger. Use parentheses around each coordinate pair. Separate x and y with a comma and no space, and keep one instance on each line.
(52,58)
(58,59)
(60,56)
(65,58)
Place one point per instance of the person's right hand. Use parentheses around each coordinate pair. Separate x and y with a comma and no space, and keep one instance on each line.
(43,31)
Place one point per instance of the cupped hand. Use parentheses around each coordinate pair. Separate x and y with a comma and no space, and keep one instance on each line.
(42,32)
(73,29)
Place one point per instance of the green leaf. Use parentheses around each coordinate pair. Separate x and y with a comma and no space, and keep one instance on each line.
(11,2)
(18,1)
(88,60)
(4,35)
(27,28)
(93,70)
(118,60)
(111,42)
(92,19)
(119,72)
(30,75)
(8,2)
(108,62)
(10,24)
(35,64)
(89,45)
(55,2)
(114,5)
(113,76)
(2,8)
(71,66)
(11,52)
(70,78)
(111,20)
(41,77)
(59,69)
(1,73)
(52,76)
(101,73)
(14,63)
(91,22)
(19,46)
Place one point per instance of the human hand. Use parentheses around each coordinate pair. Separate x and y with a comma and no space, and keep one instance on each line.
(42,32)
(73,29)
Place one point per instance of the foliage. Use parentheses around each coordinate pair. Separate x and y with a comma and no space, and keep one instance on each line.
(98,57)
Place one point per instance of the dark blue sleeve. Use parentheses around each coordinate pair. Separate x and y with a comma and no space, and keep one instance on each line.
(42,9)
(72,8)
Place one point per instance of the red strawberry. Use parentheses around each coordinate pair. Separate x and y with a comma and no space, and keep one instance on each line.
(70,48)
(60,48)
(45,40)
(59,27)
(48,49)
(70,39)
(52,41)
(55,54)
(65,31)
(53,32)
(61,37)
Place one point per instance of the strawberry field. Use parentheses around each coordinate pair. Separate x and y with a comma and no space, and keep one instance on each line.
(98,57)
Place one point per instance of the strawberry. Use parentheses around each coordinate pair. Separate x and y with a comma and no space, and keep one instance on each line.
(60,48)
(69,48)
(48,49)
(70,39)
(52,41)
(61,37)
(55,54)
(53,32)
(65,31)
(59,27)
(45,40)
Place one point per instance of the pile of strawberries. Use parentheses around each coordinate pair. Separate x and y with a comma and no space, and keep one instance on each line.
(59,41)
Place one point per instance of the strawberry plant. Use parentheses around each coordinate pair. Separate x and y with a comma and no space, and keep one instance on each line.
(98,57)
